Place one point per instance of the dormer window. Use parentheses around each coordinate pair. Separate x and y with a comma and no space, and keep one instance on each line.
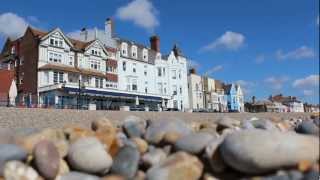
(124,49)
(134,51)
(13,50)
(145,54)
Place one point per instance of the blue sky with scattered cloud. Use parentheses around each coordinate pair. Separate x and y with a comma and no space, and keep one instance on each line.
(267,46)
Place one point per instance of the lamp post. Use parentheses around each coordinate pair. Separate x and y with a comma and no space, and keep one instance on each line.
(80,87)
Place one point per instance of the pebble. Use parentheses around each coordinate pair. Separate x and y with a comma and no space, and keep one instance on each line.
(307,127)
(47,159)
(153,157)
(133,126)
(263,124)
(177,166)
(16,170)
(77,176)
(213,155)
(102,124)
(63,167)
(227,122)
(157,129)
(259,151)
(10,152)
(141,144)
(126,161)
(88,155)
(193,143)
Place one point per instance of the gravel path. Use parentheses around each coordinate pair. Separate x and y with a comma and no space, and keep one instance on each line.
(42,118)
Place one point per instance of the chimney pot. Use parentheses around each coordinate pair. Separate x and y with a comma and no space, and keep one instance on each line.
(155,43)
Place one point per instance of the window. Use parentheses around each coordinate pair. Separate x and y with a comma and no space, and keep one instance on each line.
(159,71)
(124,49)
(95,64)
(60,43)
(134,51)
(57,77)
(165,90)
(55,57)
(164,71)
(92,51)
(146,90)
(134,85)
(145,73)
(145,54)
(160,88)
(124,66)
(13,50)
(174,88)
(70,60)
(134,67)
(51,41)
(99,82)
(174,74)
(179,74)
(180,90)
(21,61)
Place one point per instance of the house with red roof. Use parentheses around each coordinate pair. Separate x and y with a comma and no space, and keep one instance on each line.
(8,88)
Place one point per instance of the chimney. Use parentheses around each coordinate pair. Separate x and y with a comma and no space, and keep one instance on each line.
(192,71)
(155,43)
(109,28)
(84,34)
(253,99)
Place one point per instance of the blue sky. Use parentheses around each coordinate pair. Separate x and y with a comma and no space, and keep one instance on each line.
(268,46)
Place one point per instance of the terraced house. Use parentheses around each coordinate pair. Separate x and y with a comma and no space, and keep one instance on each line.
(96,70)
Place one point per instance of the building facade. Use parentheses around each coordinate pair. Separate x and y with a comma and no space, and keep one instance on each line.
(215,99)
(98,71)
(235,97)
(196,91)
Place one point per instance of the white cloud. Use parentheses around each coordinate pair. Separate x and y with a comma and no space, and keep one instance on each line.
(276,83)
(12,25)
(311,81)
(229,41)
(260,59)
(303,52)
(193,64)
(308,92)
(214,69)
(141,12)
(246,86)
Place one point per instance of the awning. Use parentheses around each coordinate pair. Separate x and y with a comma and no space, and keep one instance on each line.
(112,94)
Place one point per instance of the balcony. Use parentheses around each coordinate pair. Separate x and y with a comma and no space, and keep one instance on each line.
(111,77)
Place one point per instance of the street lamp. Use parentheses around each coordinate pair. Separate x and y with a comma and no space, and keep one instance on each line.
(81,86)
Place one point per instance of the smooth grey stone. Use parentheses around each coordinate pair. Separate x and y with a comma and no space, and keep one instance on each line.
(157,129)
(264,124)
(47,159)
(311,175)
(89,155)
(193,143)
(78,176)
(126,161)
(9,152)
(227,122)
(295,175)
(258,151)
(153,157)
(307,127)
(133,126)
(247,125)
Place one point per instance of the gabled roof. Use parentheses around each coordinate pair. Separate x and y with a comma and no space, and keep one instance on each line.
(37,33)
(6,78)
(227,88)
